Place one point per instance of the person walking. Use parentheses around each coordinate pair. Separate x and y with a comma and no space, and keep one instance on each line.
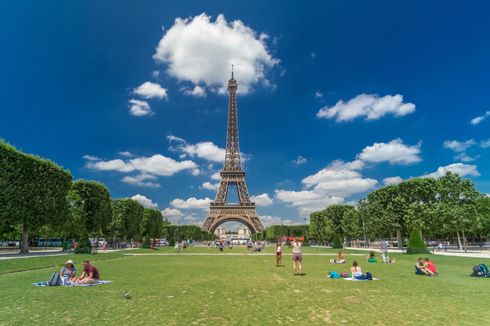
(384,251)
(278,253)
(297,257)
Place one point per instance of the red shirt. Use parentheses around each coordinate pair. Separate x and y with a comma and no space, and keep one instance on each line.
(91,269)
(431,266)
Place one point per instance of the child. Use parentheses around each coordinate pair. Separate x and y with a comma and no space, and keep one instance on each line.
(340,258)
(372,257)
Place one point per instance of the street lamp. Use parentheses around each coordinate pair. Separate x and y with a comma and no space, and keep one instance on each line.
(363,225)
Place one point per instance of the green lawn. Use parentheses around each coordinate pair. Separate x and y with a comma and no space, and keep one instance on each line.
(243,290)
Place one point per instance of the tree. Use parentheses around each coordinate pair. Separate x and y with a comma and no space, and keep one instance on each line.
(416,244)
(483,216)
(351,224)
(127,215)
(455,206)
(33,192)
(96,205)
(151,224)
(91,212)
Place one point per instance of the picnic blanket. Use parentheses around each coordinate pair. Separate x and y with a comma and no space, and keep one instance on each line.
(353,279)
(45,283)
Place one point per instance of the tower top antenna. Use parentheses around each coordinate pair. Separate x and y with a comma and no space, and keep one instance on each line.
(232,71)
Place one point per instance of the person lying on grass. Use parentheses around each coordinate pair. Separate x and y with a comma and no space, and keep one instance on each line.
(68,273)
(372,257)
(90,274)
(340,258)
(422,269)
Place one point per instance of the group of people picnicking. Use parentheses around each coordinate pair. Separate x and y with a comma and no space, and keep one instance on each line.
(68,274)
(424,266)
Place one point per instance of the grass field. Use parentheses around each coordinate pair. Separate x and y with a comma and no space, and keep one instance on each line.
(222,289)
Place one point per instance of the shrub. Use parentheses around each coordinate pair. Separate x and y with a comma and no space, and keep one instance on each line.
(83,247)
(337,244)
(416,244)
(146,242)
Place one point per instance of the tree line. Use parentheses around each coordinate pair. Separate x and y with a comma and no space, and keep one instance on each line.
(438,208)
(38,197)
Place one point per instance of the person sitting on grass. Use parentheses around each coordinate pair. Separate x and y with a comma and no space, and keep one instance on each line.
(355,270)
(431,266)
(68,273)
(421,268)
(278,253)
(372,257)
(340,258)
(90,274)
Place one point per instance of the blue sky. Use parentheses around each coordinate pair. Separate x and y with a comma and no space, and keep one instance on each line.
(336,97)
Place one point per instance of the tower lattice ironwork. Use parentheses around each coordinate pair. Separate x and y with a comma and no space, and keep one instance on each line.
(232,175)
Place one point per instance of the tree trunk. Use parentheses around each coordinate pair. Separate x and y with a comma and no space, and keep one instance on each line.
(24,242)
(460,247)
(465,243)
(399,239)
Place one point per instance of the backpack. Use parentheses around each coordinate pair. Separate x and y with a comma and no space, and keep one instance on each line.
(55,279)
(484,270)
(344,275)
(333,275)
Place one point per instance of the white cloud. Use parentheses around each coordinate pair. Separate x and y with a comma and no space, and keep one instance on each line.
(458,146)
(145,201)
(91,158)
(300,160)
(172,213)
(485,143)
(369,106)
(157,165)
(139,108)
(161,165)
(479,119)
(141,180)
(459,168)
(149,90)
(307,201)
(328,186)
(268,220)
(262,200)
(318,94)
(394,152)
(337,170)
(392,180)
(197,91)
(210,186)
(125,153)
(216,176)
(463,157)
(114,165)
(202,51)
(204,150)
(191,203)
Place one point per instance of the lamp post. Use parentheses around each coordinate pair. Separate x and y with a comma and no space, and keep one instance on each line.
(363,225)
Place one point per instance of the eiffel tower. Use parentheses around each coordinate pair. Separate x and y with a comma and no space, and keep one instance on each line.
(232,175)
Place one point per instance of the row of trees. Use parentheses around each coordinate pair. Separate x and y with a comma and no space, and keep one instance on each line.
(273,232)
(441,208)
(37,196)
